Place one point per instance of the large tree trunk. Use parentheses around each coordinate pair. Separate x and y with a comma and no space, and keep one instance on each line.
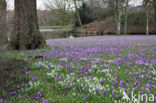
(26,33)
(3,33)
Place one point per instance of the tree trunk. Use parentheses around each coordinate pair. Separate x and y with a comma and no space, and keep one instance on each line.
(91,3)
(154,3)
(118,12)
(126,16)
(118,26)
(3,33)
(83,2)
(147,21)
(77,13)
(26,33)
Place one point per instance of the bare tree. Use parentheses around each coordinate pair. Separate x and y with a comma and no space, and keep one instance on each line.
(77,13)
(3,33)
(126,15)
(26,33)
(117,6)
(56,4)
(59,12)
(147,4)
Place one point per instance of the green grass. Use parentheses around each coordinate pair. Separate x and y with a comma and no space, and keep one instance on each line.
(54,90)
(57,92)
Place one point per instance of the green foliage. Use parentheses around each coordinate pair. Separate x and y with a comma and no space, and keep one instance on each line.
(139,18)
(85,12)
(76,20)
(89,14)
(122,19)
(60,17)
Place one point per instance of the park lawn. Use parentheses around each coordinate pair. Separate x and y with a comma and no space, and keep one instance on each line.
(87,70)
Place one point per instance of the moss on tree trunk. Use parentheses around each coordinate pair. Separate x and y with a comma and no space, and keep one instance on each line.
(26,33)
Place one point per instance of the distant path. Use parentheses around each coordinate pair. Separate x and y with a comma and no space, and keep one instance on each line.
(50,30)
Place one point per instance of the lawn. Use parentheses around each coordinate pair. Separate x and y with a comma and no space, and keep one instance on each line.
(99,69)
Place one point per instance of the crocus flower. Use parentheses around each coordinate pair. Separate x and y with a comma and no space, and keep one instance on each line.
(1,100)
(84,98)
(99,93)
(50,99)
(28,73)
(63,95)
(78,94)
(45,101)
(102,81)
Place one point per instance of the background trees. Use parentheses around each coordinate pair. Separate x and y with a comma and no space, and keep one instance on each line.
(3,34)
(59,12)
(77,15)
(85,12)
(117,9)
(114,13)
(26,33)
(119,14)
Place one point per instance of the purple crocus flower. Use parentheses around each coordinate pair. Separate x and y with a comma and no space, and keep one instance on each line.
(102,81)
(59,77)
(99,93)
(19,97)
(45,101)
(55,78)
(1,100)
(41,94)
(78,94)
(121,83)
(84,98)
(135,89)
(126,84)
(33,76)
(63,95)
(142,92)
(37,97)
(80,75)
(33,101)
(105,66)
(28,73)
(105,92)
(50,99)
(96,89)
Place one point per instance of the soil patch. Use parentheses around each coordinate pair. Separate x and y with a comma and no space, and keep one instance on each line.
(11,71)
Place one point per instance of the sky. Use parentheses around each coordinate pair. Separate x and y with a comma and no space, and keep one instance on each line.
(41,4)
